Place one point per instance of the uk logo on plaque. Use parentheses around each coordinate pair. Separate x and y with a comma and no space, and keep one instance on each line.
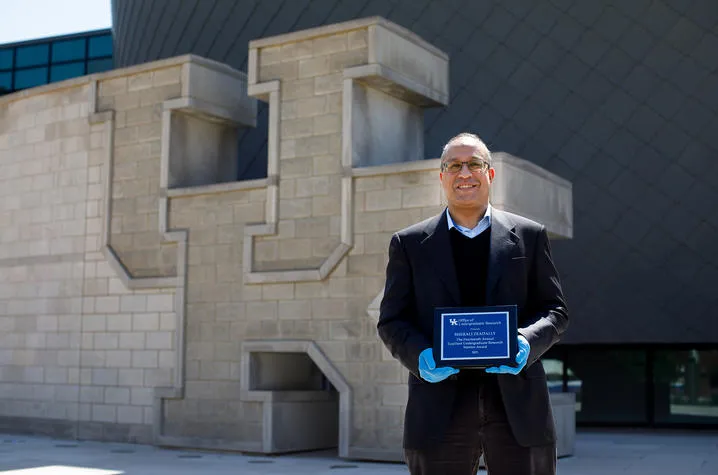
(476,336)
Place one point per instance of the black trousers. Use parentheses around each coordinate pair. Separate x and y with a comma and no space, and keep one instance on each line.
(479,427)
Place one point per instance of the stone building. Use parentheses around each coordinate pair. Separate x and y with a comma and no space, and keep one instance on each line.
(148,295)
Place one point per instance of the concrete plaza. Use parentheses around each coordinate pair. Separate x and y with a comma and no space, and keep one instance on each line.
(597,453)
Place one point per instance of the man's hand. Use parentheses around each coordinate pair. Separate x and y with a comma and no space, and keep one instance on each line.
(521,357)
(428,369)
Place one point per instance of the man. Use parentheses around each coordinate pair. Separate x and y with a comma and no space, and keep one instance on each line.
(473,255)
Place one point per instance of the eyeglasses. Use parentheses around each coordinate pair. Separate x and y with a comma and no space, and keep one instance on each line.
(473,165)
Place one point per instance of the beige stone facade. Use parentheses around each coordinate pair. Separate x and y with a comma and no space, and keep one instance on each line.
(76,343)
(145,295)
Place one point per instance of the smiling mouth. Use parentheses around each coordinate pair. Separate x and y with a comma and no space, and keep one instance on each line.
(466,186)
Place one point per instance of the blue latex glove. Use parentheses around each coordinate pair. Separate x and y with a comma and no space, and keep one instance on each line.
(428,370)
(521,358)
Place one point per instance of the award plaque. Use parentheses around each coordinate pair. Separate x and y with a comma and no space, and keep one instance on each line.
(475,337)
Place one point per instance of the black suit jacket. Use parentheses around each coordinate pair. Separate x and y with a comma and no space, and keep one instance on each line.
(420,276)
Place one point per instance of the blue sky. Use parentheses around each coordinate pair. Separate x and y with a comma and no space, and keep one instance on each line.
(22,20)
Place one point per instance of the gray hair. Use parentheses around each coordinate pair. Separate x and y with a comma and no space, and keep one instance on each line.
(467,135)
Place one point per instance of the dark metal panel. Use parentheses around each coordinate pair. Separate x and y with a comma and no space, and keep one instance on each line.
(162,29)
(171,41)
(197,22)
(158,9)
(118,11)
(143,29)
(234,27)
(134,23)
(213,27)
(256,24)
(284,18)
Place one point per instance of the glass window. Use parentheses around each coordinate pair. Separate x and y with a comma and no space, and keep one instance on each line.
(100,46)
(32,55)
(559,378)
(59,72)
(610,385)
(554,374)
(68,50)
(685,386)
(30,77)
(6,58)
(5,82)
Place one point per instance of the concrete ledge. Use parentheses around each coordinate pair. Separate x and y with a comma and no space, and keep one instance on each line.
(336,28)
(286,396)
(524,188)
(279,276)
(135,283)
(218,188)
(263,90)
(397,85)
(210,112)
(221,91)
(313,350)
(121,72)
(396,168)
(410,60)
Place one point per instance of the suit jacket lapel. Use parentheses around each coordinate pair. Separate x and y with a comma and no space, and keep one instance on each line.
(502,242)
(438,248)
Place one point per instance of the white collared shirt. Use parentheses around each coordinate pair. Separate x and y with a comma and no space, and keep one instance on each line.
(480,227)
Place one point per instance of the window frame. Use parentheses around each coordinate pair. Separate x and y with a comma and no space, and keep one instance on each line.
(50,43)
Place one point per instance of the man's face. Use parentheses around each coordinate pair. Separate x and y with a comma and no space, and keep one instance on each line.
(463,187)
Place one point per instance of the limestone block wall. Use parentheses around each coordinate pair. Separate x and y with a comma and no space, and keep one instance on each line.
(44,187)
(387,199)
(83,347)
(137,103)
(218,305)
(310,72)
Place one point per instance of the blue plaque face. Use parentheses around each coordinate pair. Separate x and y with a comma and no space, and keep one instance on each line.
(476,336)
